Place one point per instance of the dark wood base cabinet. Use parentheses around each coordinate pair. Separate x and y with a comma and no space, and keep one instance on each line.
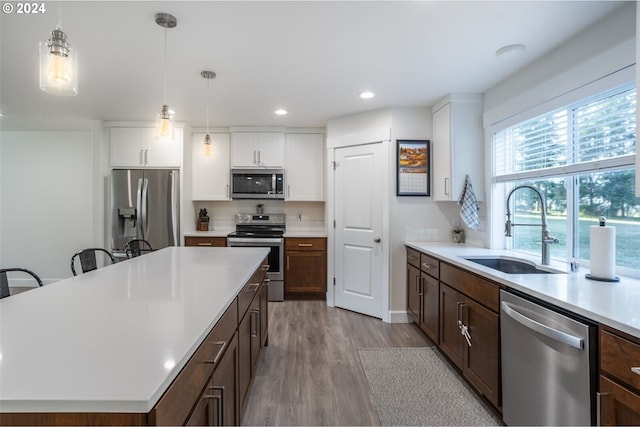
(422,292)
(470,303)
(443,300)
(619,396)
(305,268)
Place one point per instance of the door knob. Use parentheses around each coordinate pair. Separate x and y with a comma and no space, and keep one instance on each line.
(377,240)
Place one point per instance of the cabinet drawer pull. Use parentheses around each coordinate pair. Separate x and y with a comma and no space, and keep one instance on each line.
(205,244)
(253,287)
(223,346)
(426,266)
(636,370)
(255,322)
(412,257)
(305,245)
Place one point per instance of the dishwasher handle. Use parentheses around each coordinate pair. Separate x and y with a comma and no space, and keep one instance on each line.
(554,334)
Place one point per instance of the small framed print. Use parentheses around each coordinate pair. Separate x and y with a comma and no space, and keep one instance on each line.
(413,168)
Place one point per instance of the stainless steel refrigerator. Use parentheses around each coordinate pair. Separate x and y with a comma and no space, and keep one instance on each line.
(145,204)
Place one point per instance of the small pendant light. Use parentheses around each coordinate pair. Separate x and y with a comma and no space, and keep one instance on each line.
(58,64)
(207,139)
(165,117)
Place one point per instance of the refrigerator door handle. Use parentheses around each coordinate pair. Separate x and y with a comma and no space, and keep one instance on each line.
(174,208)
(139,211)
(545,330)
(145,213)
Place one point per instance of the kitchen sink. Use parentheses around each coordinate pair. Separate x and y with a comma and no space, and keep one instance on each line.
(511,265)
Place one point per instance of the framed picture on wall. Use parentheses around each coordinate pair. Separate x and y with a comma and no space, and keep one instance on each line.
(413,168)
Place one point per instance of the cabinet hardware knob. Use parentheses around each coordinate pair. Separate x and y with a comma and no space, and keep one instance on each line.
(377,240)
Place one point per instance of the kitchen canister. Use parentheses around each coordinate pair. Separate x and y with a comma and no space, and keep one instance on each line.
(602,245)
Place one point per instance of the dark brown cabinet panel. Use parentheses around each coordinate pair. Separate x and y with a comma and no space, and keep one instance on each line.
(619,378)
(481,358)
(413,293)
(423,292)
(225,387)
(451,341)
(205,241)
(430,289)
(619,406)
(305,270)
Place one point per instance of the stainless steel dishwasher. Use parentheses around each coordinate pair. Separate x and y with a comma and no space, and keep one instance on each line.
(548,365)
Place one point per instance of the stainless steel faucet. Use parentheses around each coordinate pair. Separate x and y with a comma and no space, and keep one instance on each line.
(546,238)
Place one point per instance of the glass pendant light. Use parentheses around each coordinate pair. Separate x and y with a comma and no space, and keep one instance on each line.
(58,64)
(165,117)
(207,139)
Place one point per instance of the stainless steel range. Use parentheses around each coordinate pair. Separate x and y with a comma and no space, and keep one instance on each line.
(264,231)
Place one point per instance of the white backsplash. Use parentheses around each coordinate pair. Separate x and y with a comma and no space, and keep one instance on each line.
(301,216)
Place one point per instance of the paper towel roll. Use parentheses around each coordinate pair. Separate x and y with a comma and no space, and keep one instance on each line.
(602,243)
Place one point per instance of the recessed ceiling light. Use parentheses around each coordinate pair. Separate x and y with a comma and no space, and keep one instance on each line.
(367,95)
(510,50)
(281,112)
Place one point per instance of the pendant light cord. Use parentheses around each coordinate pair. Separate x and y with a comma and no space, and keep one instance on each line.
(208,96)
(60,15)
(165,67)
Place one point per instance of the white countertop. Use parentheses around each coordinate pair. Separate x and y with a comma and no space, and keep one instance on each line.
(616,304)
(113,340)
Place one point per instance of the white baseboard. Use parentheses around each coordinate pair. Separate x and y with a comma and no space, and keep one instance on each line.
(399,316)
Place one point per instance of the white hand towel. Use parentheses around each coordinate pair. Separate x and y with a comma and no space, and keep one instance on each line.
(469,205)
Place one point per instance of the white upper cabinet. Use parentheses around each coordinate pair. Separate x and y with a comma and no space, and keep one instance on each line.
(139,147)
(457,146)
(210,179)
(304,167)
(257,149)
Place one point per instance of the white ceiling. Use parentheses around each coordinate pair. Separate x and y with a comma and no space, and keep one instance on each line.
(312,58)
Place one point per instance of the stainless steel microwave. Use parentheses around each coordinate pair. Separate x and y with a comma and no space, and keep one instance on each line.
(257,183)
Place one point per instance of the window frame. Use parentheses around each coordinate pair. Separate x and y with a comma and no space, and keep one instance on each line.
(571,172)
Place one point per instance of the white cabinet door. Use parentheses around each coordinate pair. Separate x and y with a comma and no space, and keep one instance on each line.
(271,149)
(139,147)
(210,179)
(127,147)
(304,167)
(458,148)
(257,149)
(164,152)
(244,149)
(441,149)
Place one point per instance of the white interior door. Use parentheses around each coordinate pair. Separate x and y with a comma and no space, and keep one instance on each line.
(358,214)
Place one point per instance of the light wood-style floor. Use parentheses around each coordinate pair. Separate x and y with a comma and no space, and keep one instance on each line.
(310,373)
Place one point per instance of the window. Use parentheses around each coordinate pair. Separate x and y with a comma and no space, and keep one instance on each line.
(582,159)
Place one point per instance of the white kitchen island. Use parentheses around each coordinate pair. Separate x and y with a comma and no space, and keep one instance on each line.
(112,341)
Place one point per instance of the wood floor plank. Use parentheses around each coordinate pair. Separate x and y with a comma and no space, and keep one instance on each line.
(310,374)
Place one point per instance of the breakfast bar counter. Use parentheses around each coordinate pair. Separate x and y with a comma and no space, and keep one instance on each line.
(114,339)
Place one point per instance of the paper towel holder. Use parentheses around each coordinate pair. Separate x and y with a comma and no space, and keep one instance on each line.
(602,222)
